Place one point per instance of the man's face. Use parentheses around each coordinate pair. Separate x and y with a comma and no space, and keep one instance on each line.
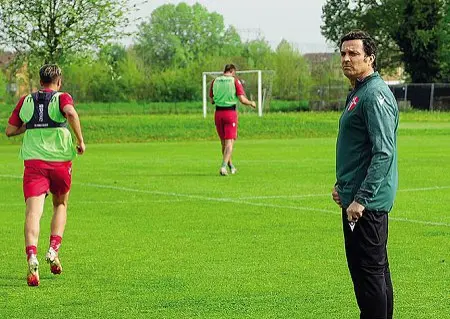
(355,63)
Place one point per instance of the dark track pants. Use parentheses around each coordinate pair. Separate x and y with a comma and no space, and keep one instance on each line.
(367,260)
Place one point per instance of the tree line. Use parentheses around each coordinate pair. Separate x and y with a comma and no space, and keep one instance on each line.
(177,43)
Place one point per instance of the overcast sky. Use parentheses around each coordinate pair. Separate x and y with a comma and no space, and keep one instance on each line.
(297,21)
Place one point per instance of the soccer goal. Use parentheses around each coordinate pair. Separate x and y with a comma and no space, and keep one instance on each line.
(257,85)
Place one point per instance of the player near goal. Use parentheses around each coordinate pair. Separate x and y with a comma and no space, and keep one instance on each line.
(225,92)
(47,151)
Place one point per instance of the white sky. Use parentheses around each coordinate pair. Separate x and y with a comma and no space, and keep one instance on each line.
(297,21)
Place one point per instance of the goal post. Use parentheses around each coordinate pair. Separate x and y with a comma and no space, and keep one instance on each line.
(257,85)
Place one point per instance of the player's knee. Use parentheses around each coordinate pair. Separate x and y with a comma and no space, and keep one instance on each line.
(59,200)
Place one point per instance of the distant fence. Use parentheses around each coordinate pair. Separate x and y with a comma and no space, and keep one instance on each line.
(423,96)
(330,96)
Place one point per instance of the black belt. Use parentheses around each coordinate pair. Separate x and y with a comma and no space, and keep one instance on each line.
(224,108)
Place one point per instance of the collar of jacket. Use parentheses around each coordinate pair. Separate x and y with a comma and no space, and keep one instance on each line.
(366,79)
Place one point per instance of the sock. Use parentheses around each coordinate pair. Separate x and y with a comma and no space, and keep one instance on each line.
(230,165)
(224,164)
(55,242)
(30,250)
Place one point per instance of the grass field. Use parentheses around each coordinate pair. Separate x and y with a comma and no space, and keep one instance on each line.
(155,232)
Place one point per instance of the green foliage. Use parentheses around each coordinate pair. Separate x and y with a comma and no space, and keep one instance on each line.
(418,38)
(444,38)
(175,84)
(258,53)
(47,31)
(378,18)
(177,35)
(3,86)
(292,73)
(412,33)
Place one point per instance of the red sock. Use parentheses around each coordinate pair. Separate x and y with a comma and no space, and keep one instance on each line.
(30,250)
(55,242)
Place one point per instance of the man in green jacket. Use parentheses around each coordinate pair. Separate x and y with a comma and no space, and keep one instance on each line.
(366,174)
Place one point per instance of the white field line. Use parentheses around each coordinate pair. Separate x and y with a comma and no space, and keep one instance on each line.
(230,200)
(329,194)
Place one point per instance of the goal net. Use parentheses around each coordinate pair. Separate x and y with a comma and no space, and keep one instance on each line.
(257,85)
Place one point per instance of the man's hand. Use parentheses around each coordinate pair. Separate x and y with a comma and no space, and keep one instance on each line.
(355,211)
(12,130)
(81,148)
(253,104)
(335,196)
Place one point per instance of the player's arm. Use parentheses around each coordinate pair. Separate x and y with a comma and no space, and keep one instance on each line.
(243,99)
(15,124)
(74,122)
(380,115)
(12,130)
(211,93)
(241,94)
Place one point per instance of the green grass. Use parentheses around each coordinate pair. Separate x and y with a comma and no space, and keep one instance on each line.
(176,127)
(154,232)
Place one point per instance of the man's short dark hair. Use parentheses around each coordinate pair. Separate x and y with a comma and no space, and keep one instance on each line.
(49,73)
(369,45)
(229,67)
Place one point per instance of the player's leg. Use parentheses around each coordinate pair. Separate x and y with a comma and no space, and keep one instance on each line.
(389,293)
(367,258)
(230,135)
(35,188)
(387,277)
(218,119)
(33,214)
(60,187)
(222,142)
(228,151)
(58,225)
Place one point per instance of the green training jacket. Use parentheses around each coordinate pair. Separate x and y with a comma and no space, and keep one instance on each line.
(366,148)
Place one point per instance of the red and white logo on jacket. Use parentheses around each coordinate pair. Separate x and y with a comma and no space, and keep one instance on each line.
(353,103)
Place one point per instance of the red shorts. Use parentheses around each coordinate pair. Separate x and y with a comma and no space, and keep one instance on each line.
(39,177)
(226,124)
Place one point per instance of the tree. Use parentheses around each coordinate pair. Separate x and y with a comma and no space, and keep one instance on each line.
(3,85)
(292,78)
(178,35)
(418,38)
(408,32)
(45,31)
(444,38)
(258,53)
(379,18)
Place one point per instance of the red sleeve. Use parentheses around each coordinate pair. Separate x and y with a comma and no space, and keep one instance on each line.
(14,119)
(239,87)
(211,94)
(64,99)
